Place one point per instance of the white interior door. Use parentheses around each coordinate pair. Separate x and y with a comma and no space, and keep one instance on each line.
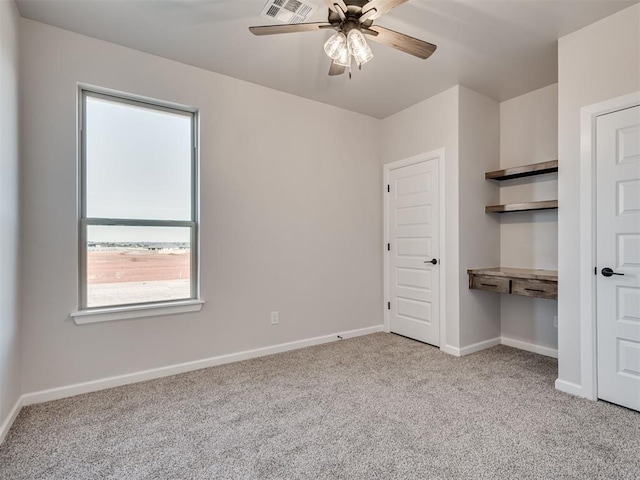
(618,249)
(413,246)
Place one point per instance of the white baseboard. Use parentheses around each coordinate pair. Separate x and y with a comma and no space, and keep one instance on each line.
(117,381)
(568,387)
(529,347)
(13,414)
(476,347)
(455,351)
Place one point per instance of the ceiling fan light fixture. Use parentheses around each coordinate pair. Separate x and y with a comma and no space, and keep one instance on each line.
(335,45)
(363,56)
(358,47)
(344,59)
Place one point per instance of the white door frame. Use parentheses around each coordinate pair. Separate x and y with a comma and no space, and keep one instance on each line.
(588,338)
(387,168)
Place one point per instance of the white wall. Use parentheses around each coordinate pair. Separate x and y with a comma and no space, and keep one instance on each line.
(529,134)
(10,368)
(599,62)
(479,142)
(466,124)
(291,215)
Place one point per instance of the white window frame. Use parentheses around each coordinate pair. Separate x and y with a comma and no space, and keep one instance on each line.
(117,312)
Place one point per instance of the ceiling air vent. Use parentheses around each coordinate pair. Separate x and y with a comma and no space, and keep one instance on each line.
(288,11)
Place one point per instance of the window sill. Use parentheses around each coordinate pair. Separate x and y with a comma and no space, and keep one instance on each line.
(108,314)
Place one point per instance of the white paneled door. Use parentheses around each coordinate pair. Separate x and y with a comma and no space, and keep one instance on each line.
(618,256)
(413,251)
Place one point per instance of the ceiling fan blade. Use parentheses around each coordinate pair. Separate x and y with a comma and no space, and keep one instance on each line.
(289,28)
(336,69)
(339,7)
(334,4)
(377,8)
(402,42)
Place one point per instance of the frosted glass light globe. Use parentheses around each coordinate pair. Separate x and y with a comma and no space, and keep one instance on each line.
(334,46)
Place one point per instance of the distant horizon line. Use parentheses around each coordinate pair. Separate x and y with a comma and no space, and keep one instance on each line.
(95,243)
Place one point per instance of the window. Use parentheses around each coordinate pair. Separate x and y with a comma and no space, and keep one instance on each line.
(138,203)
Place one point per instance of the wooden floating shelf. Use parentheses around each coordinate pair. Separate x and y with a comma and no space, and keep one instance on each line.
(523,171)
(522,207)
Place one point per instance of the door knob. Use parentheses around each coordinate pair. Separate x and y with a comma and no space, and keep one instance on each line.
(432,261)
(607,272)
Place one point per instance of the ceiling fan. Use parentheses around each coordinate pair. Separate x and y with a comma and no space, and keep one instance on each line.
(352,20)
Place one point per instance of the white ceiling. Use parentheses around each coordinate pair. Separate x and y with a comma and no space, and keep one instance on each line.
(501,48)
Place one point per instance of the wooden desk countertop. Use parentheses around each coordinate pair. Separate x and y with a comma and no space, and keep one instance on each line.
(528,273)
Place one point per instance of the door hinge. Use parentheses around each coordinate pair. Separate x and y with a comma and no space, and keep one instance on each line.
(388,247)
(388,188)
(388,305)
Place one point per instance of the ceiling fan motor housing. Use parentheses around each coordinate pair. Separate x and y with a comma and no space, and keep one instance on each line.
(352,20)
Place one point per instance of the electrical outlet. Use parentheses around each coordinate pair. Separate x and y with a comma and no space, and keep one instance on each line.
(555,321)
(275,318)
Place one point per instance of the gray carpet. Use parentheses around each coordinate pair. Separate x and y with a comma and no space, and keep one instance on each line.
(374,407)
